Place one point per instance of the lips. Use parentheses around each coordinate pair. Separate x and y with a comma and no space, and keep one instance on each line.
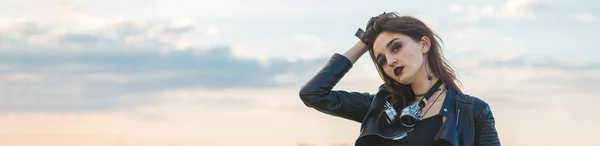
(398,70)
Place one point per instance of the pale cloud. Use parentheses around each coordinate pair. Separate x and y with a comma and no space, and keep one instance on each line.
(285,78)
(510,10)
(103,81)
(246,51)
(62,25)
(486,42)
(294,47)
(455,8)
(211,31)
(483,40)
(21,77)
(104,77)
(62,12)
(308,46)
(212,112)
(585,17)
(112,35)
(431,22)
(524,86)
(531,90)
(519,9)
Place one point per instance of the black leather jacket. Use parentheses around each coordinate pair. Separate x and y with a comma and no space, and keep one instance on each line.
(469,120)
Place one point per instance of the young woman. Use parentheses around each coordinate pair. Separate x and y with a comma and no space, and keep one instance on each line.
(419,102)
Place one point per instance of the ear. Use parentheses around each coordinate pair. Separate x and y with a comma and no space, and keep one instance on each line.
(425,44)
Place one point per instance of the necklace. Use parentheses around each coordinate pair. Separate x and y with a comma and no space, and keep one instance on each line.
(419,95)
(436,98)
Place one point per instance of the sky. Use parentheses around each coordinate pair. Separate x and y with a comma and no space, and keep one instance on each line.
(228,72)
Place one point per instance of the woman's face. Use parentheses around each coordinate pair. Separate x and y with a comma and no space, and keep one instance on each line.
(400,56)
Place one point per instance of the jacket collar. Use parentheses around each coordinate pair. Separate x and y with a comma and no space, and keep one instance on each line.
(376,103)
(449,129)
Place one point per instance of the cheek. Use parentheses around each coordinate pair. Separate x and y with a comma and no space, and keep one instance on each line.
(389,71)
(411,57)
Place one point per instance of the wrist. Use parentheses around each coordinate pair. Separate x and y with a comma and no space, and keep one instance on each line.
(360,46)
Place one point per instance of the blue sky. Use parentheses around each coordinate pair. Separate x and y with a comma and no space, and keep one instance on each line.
(171,66)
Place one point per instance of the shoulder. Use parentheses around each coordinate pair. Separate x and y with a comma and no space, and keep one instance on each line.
(381,95)
(382,92)
(471,100)
(477,105)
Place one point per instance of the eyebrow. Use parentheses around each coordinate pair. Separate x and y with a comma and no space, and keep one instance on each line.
(387,46)
(391,41)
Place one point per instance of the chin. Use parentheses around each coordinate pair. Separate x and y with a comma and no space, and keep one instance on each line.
(405,80)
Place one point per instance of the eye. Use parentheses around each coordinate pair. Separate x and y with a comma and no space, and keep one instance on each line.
(395,47)
(382,61)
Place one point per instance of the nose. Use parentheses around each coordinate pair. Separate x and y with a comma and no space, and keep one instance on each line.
(392,61)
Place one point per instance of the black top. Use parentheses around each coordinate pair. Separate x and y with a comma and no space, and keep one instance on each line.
(423,135)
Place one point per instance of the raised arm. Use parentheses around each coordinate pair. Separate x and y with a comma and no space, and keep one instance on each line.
(318,94)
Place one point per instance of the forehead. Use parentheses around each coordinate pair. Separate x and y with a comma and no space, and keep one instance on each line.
(384,38)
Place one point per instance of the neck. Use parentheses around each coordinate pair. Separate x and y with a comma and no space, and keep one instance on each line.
(422,85)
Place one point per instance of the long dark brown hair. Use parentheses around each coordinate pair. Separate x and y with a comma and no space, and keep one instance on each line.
(402,95)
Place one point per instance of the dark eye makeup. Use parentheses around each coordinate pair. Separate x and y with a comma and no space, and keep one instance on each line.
(395,46)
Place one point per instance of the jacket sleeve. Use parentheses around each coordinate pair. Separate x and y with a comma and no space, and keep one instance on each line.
(486,129)
(317,93)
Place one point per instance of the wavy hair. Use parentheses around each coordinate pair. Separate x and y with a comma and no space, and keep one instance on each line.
(402,95)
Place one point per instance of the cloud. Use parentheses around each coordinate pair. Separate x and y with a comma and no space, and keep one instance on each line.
(64,68)
(559,76)
(62,10)
(285,78)
(128,35)
(519,9)
(473,24)
(291,47)
(182,112)
(455,8)
(83,80)
(20,77)
(180,117)
(525,84)
(511,10)
(585,17)
(522,62)
(115,64)
(483,41)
